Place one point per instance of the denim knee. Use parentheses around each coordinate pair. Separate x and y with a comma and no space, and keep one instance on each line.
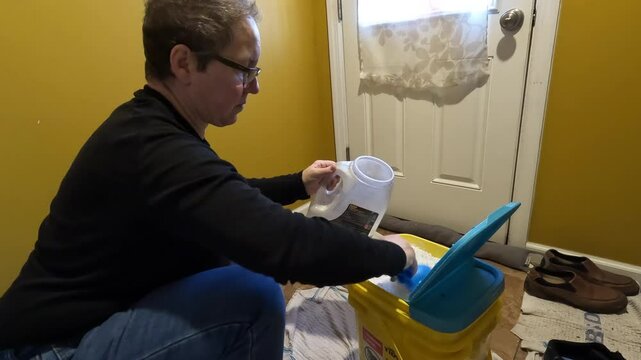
(206,313)
(274,300)
(256,295)
(267,297)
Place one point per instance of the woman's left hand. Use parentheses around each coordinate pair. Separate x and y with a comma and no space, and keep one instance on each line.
(320,173)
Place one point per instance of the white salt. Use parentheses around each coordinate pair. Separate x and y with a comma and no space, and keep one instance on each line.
(396,288)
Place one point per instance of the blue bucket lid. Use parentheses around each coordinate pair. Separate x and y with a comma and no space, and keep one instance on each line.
(460,288)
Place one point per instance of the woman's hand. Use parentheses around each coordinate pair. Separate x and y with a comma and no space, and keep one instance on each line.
(320,173)
(410,264)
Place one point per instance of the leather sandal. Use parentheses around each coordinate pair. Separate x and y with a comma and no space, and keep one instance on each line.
(569,288)
(584,267)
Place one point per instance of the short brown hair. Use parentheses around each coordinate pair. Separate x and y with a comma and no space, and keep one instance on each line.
(202,25)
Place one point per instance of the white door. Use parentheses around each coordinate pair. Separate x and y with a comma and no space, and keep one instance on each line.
(455,158)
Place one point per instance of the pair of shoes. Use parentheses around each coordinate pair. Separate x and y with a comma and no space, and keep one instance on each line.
(584,267)
(569,288)
(559,350)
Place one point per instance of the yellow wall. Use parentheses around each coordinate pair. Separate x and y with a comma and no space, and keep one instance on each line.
(587,195)
(66,64)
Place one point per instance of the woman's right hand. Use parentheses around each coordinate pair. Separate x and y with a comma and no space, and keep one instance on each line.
(410,264)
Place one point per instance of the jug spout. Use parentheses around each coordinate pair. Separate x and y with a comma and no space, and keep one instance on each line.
(373,171)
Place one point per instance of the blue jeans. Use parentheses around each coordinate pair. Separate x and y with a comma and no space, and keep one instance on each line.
(224,313)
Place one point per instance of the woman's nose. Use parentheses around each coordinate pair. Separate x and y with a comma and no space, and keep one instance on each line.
(252,87)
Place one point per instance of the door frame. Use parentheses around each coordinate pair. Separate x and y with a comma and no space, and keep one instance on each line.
(532,116)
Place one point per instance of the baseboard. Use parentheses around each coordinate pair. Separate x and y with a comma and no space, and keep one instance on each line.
(618,267)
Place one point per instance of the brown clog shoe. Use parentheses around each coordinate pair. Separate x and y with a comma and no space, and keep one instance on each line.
(584,267)
(568,288)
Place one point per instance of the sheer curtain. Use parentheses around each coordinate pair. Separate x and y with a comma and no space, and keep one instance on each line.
(422,45)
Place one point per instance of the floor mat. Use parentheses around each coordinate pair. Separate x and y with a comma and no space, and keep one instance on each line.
(543,320)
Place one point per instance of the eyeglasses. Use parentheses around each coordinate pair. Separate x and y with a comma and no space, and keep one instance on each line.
(249,74)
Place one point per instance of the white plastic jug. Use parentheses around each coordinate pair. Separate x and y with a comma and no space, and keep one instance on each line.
(360,198)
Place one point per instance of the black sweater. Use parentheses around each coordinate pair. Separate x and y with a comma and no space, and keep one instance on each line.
(147,202)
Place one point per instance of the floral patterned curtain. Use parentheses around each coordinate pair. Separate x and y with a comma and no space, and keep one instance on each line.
(433,49)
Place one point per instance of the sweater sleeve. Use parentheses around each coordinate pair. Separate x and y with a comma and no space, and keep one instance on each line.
(284,189)
(196,196)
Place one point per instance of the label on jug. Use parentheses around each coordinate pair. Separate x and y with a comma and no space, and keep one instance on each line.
(357,218)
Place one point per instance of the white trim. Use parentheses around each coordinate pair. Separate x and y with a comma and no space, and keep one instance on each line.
(337,73)
(534,106)
(618,267)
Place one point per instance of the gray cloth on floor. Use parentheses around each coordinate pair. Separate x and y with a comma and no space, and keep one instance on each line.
(320,324)
(510,256)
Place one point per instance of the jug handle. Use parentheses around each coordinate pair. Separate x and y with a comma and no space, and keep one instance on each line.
(328,195)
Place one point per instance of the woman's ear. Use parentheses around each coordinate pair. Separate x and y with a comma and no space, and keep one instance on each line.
(182,63)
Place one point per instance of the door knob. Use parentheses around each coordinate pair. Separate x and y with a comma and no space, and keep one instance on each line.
(512,20)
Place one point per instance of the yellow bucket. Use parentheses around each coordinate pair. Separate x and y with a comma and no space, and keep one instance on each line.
(386,330)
